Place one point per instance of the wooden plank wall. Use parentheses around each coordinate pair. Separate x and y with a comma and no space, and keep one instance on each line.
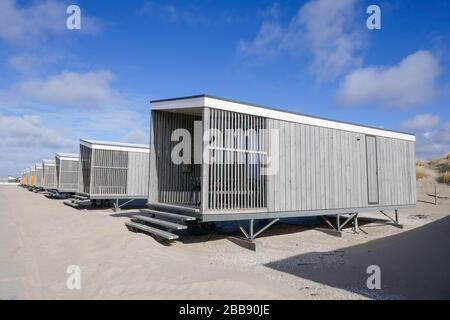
(323,168)
(67,175)
(372,170)
(170,183)
(39,173)
(109,172)
(49,176)
(137,179)
(235,172)
(396,171)
(84,173)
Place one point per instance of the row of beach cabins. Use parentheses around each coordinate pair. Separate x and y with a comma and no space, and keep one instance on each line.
(102,174)
(293,165)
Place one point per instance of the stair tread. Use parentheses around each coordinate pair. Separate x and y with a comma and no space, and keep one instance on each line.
(164,223)
(174,207)
(169,215)
(76,196)
(72,204)
(164,234)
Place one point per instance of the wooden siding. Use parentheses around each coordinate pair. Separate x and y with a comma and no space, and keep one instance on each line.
(137,178)
(372,169)
(49,177)
(396,171)
(39,174)
(169,182)
(323,168)
(109,172)
(67,175)
(236,154)
(84,173)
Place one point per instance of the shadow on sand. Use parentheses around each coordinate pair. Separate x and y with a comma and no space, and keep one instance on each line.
(414,264)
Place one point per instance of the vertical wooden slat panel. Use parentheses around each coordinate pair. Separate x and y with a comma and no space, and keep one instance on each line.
(205,166)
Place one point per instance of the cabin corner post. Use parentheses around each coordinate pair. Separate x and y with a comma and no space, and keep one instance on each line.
(153,180)
(205,164)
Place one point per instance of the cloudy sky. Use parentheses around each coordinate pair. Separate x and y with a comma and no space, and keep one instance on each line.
(316,57)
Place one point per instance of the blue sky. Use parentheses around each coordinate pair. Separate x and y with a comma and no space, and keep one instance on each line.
(315,57)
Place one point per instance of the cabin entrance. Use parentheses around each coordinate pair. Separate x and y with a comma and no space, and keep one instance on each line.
(372,169)
(222,167)
(177,138)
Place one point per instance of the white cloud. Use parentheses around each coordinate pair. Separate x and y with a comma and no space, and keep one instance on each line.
(409,83)
(324,29)
(22,24)
(24,61)
(28,131)
(87,90)
(433,144)
(69,106)
(266,42)
(172,13)
(421,122)
(26,140)
(137,136)
(271,12)
(331,36)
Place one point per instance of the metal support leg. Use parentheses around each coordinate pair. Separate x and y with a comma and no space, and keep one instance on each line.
(355,223)
(116,205)
(395,221)
(249,237)
(337,229)
(243,231)
(125,203)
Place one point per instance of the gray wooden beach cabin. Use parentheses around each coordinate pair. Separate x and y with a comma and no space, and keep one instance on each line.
(325,167)
(32,183)
(27,177)
(49,175)
(112,171)
(66,172)
(39,176)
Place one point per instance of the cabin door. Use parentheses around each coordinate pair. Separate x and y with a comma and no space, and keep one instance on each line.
(372,169)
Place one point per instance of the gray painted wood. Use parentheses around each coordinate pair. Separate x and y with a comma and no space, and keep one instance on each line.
(331,170)
(205,168)
(319,168)
(372,170)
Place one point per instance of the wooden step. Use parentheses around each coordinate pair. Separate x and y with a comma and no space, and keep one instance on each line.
(76,196)
(158,232)
(163,223)
(168,215)
(72,204)
(174,208)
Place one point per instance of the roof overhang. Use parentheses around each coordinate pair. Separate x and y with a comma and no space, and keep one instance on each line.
(116,146)
(203,101)
(67,156)
(48,163)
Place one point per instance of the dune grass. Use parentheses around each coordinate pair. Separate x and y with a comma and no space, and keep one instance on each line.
(445,177)
(421,173)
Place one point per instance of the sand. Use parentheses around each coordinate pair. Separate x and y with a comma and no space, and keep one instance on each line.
(40,238)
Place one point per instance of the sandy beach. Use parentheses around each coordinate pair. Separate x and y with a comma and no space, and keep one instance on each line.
(40,238)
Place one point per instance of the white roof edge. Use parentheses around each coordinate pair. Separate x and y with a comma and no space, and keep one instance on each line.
(48,162)
(116,146)
(242,107)
(63,155)
(68,159)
